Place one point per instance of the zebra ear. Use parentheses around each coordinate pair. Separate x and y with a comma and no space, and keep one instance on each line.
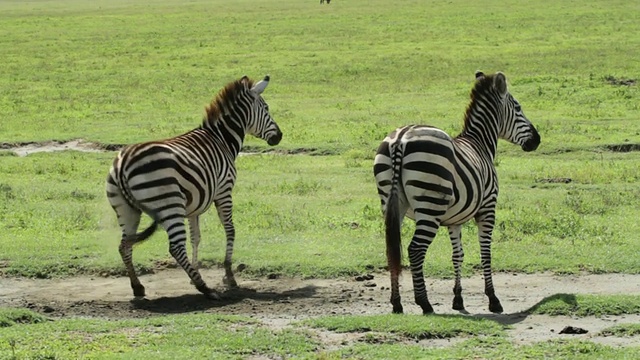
(500,82)
(259,87)
(479,75)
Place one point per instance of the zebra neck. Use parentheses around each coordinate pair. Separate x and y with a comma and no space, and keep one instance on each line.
(480,134)
(228,133)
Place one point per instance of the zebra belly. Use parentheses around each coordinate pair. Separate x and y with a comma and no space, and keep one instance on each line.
(462,209)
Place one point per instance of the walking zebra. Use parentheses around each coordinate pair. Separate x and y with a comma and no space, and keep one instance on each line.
(181,177)
(423,173)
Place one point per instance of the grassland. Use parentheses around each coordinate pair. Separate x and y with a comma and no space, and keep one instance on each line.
(344,75)
(237,337)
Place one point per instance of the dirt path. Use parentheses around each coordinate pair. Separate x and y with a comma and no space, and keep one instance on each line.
(277,302)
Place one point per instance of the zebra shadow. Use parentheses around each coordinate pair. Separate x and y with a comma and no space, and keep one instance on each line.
(550,305)
(197,302)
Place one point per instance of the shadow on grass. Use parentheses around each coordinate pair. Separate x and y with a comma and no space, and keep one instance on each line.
(197,302)
(514,318)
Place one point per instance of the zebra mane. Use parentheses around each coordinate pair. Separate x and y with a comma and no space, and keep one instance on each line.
(225,99)
(483,88)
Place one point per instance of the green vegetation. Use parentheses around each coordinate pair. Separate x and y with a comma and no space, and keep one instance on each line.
(413,327)
(236,337)
(167,337)
(588,305)
(323,209)
(491,348)
(10,317)
(622,330)
(344,75)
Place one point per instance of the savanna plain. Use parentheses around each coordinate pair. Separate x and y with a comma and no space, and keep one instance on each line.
(93,76)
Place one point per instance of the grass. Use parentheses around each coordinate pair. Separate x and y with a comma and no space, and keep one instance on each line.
(490,348)
(166,337)
(622,330)
(13,316)
(236,337)
(344,76)
(323,209)
(412,327)
(588,305)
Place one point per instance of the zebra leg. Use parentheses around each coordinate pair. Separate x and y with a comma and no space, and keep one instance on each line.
(128,219)
(224,207)
(457,257)
(485,229)
(177,240)
(194,229)
(426,229)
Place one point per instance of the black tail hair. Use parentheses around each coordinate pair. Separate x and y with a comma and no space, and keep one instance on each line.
(392,220)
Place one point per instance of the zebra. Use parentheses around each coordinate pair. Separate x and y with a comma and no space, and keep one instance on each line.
(437,180)
(181,177)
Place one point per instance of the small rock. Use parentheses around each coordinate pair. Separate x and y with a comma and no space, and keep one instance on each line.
(48,309)
(273,276)
(241,267)
(364,277)
(370,284)
(573,330)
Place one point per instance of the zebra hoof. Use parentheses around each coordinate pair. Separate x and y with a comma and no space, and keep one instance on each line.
(458,304)
(207,292)
(212,295)
(427,309)
(397,309)
(138,291)
(495,307)
(230,282)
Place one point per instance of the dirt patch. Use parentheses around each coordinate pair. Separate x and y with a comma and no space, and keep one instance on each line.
(554,180)
(620,81)
(622,147)
(26,148)
(280,301)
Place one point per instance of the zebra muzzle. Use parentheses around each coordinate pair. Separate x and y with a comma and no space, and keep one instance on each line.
(275,139)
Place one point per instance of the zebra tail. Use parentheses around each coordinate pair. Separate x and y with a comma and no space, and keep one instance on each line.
(392,215)
(143,235)
(146,233)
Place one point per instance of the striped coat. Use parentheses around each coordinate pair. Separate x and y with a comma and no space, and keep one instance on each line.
(423,173)
(181,177)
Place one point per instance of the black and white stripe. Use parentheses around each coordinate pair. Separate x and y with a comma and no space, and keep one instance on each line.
(436,180)
(181,177)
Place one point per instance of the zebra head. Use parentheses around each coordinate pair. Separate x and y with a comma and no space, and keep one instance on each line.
(513,125)
(260,123)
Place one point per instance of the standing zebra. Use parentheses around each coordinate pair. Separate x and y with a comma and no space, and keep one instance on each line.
(423,173)
(181,177)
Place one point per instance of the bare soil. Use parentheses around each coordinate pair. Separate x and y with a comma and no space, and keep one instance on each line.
(25,148)
(278,302)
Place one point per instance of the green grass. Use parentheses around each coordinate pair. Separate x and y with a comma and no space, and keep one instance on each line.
(622,330)
(412,327)
(236,337)
(166,337)
(11,316)
(343,76)
(588,305)
(323,209)
(489,348)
